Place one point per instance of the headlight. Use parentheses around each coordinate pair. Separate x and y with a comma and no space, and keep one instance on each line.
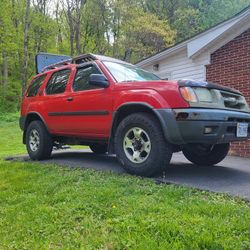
(203,94)
(196,94)
(188,94)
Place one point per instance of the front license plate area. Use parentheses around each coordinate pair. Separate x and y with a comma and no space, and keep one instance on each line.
(242,129)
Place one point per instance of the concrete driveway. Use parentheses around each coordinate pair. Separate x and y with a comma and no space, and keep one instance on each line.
(231,176)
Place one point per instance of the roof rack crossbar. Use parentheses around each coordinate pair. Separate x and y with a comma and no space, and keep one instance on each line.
(84,58)
(57,65)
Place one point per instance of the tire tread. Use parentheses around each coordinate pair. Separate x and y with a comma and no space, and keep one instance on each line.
(155,164)
(46,141)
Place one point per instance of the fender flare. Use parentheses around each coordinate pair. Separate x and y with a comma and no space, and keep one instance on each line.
(115,119)
(23,122)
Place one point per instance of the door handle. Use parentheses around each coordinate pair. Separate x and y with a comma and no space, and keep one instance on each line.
(70,99)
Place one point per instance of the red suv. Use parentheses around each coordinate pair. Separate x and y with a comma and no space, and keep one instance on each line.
(113,106)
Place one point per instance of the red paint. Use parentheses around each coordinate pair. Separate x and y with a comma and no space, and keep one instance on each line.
(157,94)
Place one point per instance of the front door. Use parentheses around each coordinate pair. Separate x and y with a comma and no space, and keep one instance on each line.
(90,106)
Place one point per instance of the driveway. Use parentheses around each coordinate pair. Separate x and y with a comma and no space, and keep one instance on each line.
(231,176)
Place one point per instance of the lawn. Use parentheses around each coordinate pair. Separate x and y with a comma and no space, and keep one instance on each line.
(50,207)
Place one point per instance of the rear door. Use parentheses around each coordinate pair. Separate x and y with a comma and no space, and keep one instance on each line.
(32,95)
(55,101)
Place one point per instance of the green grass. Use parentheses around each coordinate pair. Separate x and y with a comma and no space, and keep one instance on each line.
(50,207)
(10,138)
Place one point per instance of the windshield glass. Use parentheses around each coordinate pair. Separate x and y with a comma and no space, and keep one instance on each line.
(129,73)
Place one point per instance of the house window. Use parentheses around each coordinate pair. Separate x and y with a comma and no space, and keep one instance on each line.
(156,67)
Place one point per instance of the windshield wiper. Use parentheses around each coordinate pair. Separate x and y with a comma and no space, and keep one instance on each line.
(129,81)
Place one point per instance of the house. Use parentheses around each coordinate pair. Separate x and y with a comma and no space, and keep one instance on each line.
(220,54)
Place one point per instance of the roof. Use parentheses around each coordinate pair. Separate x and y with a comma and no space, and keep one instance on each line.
(203,40)
(92,57)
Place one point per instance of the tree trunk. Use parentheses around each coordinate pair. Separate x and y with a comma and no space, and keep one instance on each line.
(59,32)
(127,55)
(5,69)
(77,28)
(71,38)
(71,30)
(80,4)
(26,46)
(77,38)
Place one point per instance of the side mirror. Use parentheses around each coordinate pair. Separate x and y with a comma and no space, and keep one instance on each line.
(98,80)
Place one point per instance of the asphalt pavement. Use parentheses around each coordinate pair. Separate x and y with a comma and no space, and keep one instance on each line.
(231,176)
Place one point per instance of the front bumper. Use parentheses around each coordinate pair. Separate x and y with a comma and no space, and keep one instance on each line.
(182,126)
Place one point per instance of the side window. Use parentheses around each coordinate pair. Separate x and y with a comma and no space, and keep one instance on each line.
(35,85)
(81,81)
(58,82)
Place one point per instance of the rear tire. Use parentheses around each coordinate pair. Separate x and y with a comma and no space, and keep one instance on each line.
(39,142)
(141,146)
(99,148)
(206,155)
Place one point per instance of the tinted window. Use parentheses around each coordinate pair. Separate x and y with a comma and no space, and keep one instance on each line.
(35,85)
(81,81)
(58,82)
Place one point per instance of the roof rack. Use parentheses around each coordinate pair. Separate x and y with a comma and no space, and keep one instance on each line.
(45,62)
(76,60)
(57,65)
(84,58)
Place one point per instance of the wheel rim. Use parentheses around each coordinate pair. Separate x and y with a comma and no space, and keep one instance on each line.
(34,140)
(137,145)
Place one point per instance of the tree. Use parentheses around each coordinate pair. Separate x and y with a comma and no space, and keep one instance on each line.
(73,15)
(7,40)
(96,27)
(26,45)
(142,34)
(186,23)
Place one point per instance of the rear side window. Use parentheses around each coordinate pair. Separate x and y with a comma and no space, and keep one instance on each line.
(58,82)
(35,86)
(81,81)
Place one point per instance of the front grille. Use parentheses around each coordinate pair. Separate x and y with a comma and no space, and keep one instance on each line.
(236,119)
(232,129)
(233,101)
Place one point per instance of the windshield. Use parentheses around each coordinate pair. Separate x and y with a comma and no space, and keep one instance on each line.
(129,73)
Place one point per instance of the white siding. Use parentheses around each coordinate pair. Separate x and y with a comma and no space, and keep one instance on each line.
(179,66)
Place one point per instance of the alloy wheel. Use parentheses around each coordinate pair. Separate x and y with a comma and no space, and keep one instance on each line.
(137,145)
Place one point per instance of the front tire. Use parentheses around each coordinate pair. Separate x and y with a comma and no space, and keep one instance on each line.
(39,142)
(140,145)
(206,155)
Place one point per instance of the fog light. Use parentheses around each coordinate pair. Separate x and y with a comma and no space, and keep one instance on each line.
(208,130)
(182,116)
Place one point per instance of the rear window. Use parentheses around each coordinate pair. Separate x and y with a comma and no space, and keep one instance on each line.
(35,86)
(58,82)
